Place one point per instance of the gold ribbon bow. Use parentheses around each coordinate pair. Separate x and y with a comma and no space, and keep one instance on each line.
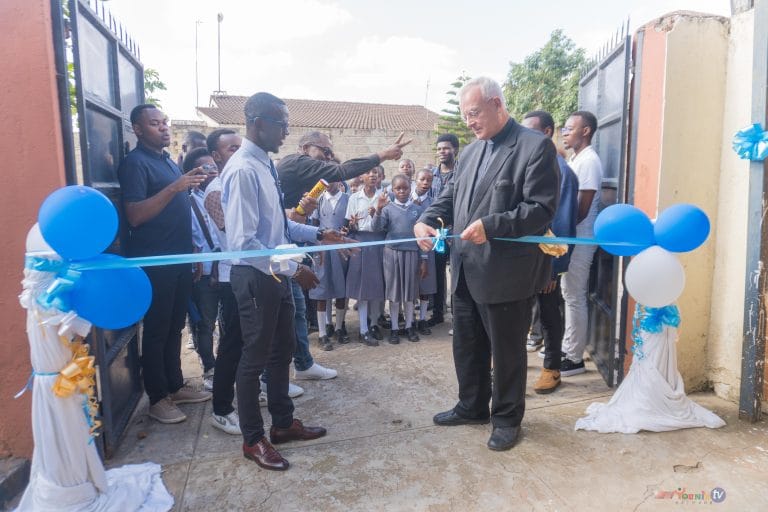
(79,376)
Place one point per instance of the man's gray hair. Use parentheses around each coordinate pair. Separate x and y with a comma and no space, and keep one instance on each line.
(488,87)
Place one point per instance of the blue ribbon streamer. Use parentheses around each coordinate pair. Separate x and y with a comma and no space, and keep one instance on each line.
(751,143)
(651,320)
(31,379)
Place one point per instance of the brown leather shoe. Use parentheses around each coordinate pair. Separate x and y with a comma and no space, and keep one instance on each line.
(265,455)
(296,432)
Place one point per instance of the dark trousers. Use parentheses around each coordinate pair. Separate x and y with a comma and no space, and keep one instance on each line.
(269,339)
(228,353)
(485,334)
(552,325)
(441,261)
(162,326)
(206,298)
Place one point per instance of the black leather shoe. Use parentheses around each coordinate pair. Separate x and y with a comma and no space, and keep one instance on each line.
(394,339)
(435,320)
(342,338)
(450,419)
(376,333)
(503,438)
(367,339)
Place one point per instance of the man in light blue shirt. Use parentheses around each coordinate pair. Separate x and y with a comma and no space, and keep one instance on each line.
(255,218)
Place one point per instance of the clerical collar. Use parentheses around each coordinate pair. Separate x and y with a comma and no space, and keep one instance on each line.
(499,137)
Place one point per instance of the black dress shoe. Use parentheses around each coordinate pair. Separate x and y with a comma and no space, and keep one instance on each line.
(423,327)
(325,343)
(503,438)
(412,334)
(376,332)
(394,339)
(367,339)
(450,419)
(435,320)
(342,337)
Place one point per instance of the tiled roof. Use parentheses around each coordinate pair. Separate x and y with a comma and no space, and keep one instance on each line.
(331,114)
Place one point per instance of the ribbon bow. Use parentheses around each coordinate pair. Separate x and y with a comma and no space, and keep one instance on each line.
(751,143)
(442,233)
(79,375)
(651,320)
(57,294)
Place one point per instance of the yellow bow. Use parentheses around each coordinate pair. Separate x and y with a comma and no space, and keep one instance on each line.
(79,376)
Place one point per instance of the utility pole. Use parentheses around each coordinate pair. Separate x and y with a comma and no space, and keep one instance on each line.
(220,18)
(197,77)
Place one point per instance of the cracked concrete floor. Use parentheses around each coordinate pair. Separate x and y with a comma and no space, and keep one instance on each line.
(382,451)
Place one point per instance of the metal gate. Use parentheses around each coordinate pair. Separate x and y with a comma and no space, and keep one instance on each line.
(108,80)
(603,90)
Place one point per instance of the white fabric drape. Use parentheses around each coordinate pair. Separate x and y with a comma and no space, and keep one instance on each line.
(652,395)
(67,473)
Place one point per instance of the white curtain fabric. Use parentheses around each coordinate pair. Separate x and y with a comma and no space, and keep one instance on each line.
(67,473)
(652,395)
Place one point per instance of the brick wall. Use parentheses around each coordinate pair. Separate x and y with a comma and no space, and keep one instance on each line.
(347,142)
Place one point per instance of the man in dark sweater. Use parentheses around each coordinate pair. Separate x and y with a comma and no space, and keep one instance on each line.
(313,161)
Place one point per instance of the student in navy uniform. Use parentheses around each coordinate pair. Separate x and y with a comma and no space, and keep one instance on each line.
(422,196)
(404,263)
(365,279)
(331,268)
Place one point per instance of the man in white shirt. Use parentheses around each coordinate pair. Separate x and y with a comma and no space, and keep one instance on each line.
(577,135)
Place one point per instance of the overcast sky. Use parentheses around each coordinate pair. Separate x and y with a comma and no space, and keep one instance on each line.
(395,51)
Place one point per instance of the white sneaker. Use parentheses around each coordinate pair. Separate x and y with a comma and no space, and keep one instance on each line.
(191,343)
(208,380)
(229,423)
(315,372)
(293,390)
(450,332)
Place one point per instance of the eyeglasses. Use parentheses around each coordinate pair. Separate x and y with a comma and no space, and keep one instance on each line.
(327,152)
(474,113)
(282,124)
(565,130)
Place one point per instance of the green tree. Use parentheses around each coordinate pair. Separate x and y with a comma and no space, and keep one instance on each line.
(547,79)
(152,84)
(451,120)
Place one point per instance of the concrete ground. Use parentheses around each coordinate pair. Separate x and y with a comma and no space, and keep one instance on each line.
(383,452)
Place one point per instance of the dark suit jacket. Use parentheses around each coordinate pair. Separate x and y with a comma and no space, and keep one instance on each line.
(517,196)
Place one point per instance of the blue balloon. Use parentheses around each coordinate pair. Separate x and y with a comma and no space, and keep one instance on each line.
(624,223)
(111,298)
(78,222)
(681,228)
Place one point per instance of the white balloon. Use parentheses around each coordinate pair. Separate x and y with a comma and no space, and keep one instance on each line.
(655,277)
(36,242)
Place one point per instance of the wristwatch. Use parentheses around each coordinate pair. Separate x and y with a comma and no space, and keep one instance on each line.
(320,233)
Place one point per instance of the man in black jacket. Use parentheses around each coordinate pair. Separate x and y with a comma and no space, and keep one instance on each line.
(301,171)
(506,185)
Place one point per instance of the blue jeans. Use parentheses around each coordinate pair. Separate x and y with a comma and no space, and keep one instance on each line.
(302,359)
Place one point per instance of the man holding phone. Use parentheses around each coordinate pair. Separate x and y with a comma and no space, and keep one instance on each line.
(155,197)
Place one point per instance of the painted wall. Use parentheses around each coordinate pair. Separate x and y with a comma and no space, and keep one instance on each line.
(727,313)
(30,140)
(347,142)
(679,137)
(694,96)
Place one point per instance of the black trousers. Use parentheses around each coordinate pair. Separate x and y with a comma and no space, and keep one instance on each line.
(485,334)
(552,325)
(441,261)
(162,326)
(229,352)
(269,339)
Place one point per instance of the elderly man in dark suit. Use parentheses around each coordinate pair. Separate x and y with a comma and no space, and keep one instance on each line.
(506,185)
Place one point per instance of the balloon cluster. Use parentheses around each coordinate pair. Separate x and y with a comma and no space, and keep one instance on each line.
(78,223)
(654,277)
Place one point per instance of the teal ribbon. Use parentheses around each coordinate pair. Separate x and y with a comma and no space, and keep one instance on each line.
(651,320)
(751,143)
(69,270)
(31,380)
